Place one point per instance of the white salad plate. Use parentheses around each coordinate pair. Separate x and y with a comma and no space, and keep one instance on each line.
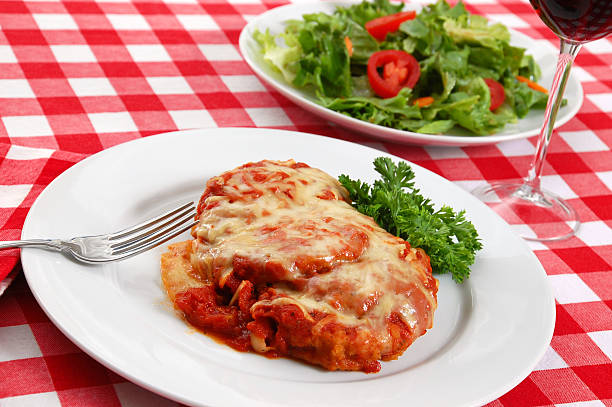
(488,333)
(544,53)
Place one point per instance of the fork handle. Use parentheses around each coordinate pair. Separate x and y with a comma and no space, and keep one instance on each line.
(54,244)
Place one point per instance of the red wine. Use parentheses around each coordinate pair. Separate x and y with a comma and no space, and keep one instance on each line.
(576,20)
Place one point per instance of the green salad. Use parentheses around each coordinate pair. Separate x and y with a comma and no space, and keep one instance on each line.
(428,72)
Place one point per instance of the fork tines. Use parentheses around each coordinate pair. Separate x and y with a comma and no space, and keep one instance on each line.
(152,232)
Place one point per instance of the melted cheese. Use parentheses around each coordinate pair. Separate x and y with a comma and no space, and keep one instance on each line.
(288,225)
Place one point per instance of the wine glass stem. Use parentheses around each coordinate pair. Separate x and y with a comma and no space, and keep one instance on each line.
(567,53)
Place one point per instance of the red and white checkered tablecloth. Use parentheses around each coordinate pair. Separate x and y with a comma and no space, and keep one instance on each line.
(79,76)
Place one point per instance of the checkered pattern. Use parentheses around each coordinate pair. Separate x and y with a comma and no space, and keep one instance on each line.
(78,76)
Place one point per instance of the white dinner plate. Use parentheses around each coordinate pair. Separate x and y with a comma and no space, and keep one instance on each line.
(544,54)
(488,333)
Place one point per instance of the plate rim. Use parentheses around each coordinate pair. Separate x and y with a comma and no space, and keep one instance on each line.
(383,133)
(27,254)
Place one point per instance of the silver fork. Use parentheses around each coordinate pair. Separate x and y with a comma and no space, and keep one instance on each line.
(122,244)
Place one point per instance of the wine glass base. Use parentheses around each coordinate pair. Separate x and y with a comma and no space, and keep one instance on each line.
(548,217)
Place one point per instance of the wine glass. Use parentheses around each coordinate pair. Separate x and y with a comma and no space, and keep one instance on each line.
(575,22)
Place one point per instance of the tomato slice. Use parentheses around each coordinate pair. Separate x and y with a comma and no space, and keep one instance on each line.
(498,95)
(381,26)
(399,70)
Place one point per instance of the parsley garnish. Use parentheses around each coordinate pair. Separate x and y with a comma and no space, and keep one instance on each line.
(396,205)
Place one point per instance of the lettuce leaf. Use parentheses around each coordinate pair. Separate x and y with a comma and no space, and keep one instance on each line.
(476,30)
(375,110)
(283,59)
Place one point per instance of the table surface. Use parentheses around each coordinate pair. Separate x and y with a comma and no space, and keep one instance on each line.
(79,76)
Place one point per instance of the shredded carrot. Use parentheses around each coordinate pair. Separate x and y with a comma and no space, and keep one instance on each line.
(537,87)
(349,45)
(424,101)
(533,85)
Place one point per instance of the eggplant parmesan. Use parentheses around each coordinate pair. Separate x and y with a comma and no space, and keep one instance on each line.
(281,264)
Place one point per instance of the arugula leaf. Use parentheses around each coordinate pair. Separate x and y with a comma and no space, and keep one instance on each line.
(450,240)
